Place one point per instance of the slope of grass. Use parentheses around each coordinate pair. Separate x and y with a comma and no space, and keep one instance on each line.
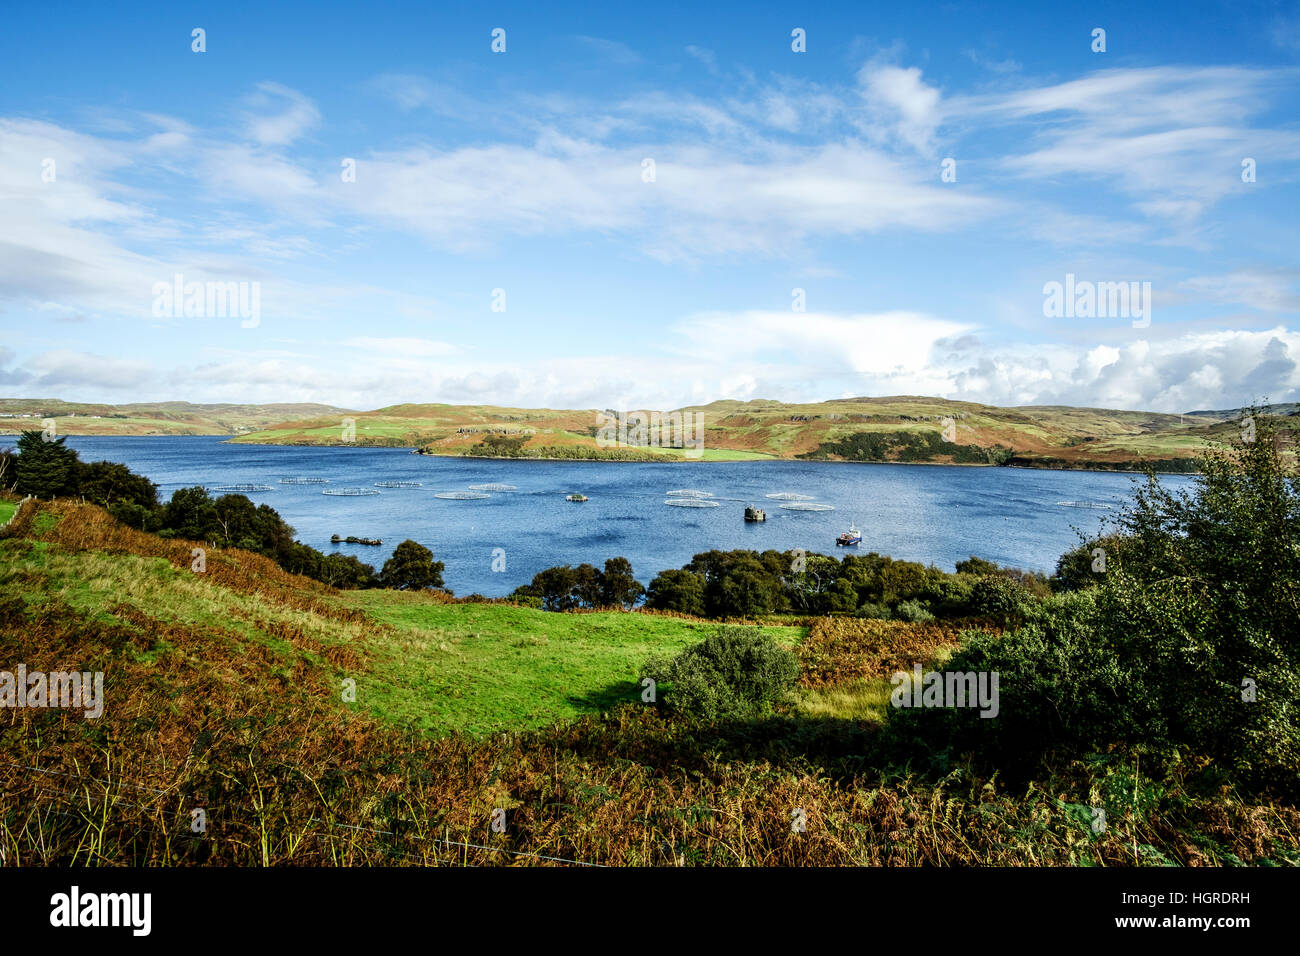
(485,667)
(426,663)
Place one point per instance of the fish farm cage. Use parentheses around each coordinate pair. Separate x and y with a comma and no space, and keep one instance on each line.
(1099,505)
(807,506)
(349,492)
(493,486)
(240,488)
(399,484)
(304,481)
(689,493)
(789,496)
(462,495)
(691,503)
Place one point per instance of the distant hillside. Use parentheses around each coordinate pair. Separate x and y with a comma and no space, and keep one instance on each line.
(149,418)
(903,428)
(1282,409)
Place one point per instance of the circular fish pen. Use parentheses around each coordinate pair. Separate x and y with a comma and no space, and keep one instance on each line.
(239,488)
(789,496)
(1098,505)
(807,506)
(691,503)
(349,492)
(399,484)
(493,486)
(462,495)
(689,493)
(304,481)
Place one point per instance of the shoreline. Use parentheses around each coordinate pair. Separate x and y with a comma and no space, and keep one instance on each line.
(411,449)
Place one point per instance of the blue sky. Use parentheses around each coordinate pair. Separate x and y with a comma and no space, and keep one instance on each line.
(773,171)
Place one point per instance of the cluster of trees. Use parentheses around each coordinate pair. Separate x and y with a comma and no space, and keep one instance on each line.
(750,584)
(47,468)
(1188,640)
(746,584)
(566,588)
(907,446)
(513,446)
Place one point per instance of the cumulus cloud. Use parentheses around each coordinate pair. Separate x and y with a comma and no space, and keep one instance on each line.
(784,356)
(899,99)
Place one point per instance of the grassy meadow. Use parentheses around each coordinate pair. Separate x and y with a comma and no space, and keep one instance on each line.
(492,667)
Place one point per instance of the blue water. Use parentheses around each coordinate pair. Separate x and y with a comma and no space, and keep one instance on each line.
(930,513)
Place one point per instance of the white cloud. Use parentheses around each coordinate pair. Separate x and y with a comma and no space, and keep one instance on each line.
(901,100)
(279,115)
(789,357)
(1173,138)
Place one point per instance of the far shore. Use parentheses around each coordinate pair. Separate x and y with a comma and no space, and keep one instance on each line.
(411,449)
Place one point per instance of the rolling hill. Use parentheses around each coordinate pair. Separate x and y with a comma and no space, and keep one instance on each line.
(899,428)
(148,418)
(1032,436)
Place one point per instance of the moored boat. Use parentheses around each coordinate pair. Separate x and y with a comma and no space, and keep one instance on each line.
(755,514)
(575,498)
(849,538)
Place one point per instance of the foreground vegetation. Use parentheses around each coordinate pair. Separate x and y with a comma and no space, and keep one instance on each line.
(1155,692)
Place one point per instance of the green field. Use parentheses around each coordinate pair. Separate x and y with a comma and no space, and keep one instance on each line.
(438,667)
(7,508)
(483,667)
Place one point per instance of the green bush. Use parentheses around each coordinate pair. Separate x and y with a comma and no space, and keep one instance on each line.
(411,568)
(914,612)
(676,590)
(46,468)
(999,598)
(950,595)
(737,673)
(1189,640)
(873,611)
